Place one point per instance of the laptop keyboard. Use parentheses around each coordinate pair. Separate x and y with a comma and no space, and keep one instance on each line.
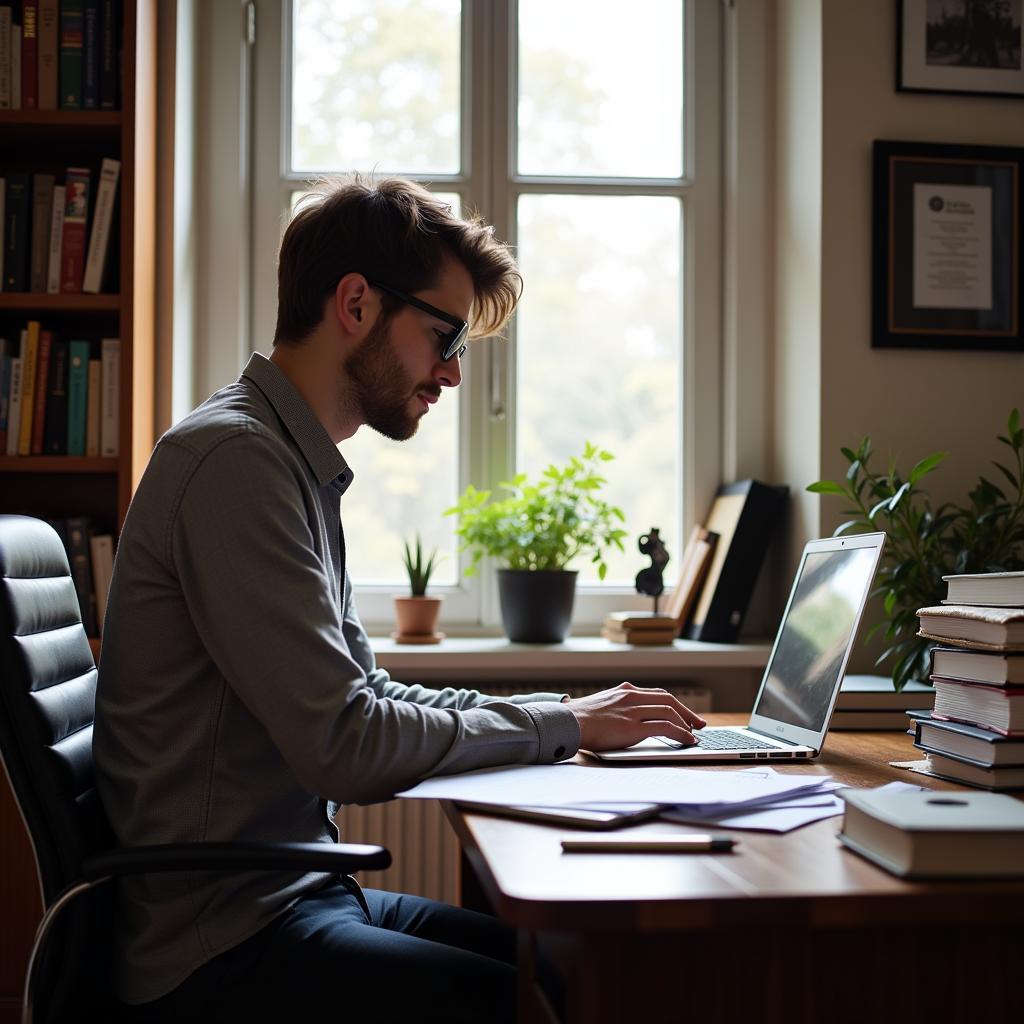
(723,739)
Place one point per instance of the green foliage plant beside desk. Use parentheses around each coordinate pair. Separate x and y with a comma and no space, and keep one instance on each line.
(925,544)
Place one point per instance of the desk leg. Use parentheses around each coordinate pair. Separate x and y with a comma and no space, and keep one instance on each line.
(470,893)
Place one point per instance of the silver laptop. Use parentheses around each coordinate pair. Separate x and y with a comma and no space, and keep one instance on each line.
(806,667)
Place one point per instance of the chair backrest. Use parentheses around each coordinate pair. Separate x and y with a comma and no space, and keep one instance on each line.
(47,703)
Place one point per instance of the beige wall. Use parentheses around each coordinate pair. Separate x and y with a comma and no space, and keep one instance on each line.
(912,402)
(835,74)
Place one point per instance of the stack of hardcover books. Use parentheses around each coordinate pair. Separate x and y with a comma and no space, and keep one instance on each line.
(640,628)
(975,734)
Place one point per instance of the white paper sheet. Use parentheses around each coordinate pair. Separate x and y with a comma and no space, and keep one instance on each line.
(789,813)
(547,785)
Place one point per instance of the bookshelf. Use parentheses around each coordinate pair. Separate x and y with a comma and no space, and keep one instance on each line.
(62,486)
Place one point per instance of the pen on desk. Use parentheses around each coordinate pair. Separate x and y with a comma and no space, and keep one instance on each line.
(650,844)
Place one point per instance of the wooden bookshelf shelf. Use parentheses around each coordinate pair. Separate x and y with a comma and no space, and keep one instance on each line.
(56,464)
(96,491)
(38,305)
(61,118)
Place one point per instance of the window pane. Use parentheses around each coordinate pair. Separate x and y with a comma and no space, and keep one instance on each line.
(600,90)
(375,85)
(598,353)
(401,488)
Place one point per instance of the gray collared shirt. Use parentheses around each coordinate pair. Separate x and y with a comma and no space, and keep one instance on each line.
(238,697)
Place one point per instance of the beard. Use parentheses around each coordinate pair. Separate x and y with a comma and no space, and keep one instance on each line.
(380,388)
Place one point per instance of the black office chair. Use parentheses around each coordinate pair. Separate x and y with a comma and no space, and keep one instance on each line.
(47,703)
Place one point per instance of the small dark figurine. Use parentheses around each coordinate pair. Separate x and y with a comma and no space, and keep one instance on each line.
(649,581)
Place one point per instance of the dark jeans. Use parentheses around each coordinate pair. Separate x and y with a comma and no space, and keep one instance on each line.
(387,957)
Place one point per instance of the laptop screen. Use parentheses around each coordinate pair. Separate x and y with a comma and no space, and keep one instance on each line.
(813,641)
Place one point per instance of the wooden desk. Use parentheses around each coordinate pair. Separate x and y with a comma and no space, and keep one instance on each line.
(788,928)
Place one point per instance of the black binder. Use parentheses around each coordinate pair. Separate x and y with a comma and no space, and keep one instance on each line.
(745,516)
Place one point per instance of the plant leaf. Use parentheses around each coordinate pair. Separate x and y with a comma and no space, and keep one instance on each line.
(825,487)
(926,466)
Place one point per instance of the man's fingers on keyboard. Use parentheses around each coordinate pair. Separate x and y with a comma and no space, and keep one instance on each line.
(670,729)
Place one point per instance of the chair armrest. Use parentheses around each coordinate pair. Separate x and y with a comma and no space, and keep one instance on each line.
(341,858)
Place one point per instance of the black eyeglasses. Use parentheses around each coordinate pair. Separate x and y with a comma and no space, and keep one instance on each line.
(452,343)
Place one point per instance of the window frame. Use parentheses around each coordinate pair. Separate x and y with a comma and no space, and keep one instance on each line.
(488,181)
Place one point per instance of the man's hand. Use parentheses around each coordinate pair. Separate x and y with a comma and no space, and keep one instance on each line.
(627,714)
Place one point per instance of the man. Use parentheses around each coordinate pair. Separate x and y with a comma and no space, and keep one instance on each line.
(238,697)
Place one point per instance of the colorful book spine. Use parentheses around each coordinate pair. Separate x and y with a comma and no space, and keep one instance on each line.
(76,215)
(78,395)
(56,235)
(16,233)
(71,54)
(29,363)
(110,21)
(81,571)
(42,199)
(55,434)
(99,237)
(91,55)
(5,59)
(92,409)
(48,54)
(110,356)
(30,54)
(39,391)
(14,407)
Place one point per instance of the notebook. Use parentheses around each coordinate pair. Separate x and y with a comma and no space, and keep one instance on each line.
(806,667)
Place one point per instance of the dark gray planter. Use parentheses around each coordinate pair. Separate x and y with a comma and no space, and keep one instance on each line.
(536,606)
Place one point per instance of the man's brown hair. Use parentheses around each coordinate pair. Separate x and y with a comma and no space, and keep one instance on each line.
(393,231)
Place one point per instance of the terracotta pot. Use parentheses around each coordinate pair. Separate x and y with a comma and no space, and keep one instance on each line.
(416,618)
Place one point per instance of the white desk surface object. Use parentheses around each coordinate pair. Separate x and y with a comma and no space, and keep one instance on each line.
(560,784)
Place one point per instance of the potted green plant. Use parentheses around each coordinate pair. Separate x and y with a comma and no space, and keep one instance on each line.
(535,533)
(417,614)
(924,543)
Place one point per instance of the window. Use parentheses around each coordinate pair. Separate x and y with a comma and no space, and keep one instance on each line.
(591,141)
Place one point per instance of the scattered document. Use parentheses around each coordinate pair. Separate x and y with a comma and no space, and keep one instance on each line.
(705,791)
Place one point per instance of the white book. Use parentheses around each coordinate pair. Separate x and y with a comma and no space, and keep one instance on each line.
(15,67)
(99,239)
(925,834)
(5,58)
(110,358)
(56,233)
(101,548)
(14,408)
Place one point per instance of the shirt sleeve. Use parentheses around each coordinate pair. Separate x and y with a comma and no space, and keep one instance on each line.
(261,599)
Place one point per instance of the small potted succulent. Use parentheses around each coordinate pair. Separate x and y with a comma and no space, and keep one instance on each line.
(417,614)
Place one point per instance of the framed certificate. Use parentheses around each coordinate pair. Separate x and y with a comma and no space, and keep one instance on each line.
(947,246)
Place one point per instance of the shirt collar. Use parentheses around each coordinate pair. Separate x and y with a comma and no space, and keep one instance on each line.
(300,421)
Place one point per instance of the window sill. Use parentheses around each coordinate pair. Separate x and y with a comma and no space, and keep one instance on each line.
(582,657)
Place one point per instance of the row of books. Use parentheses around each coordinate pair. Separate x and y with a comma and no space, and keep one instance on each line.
(51,243)
(91,558)
(60,55)
(59,396)
(975,733)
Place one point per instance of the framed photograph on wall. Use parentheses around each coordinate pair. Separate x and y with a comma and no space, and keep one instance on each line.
(965,46)
(947,247)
